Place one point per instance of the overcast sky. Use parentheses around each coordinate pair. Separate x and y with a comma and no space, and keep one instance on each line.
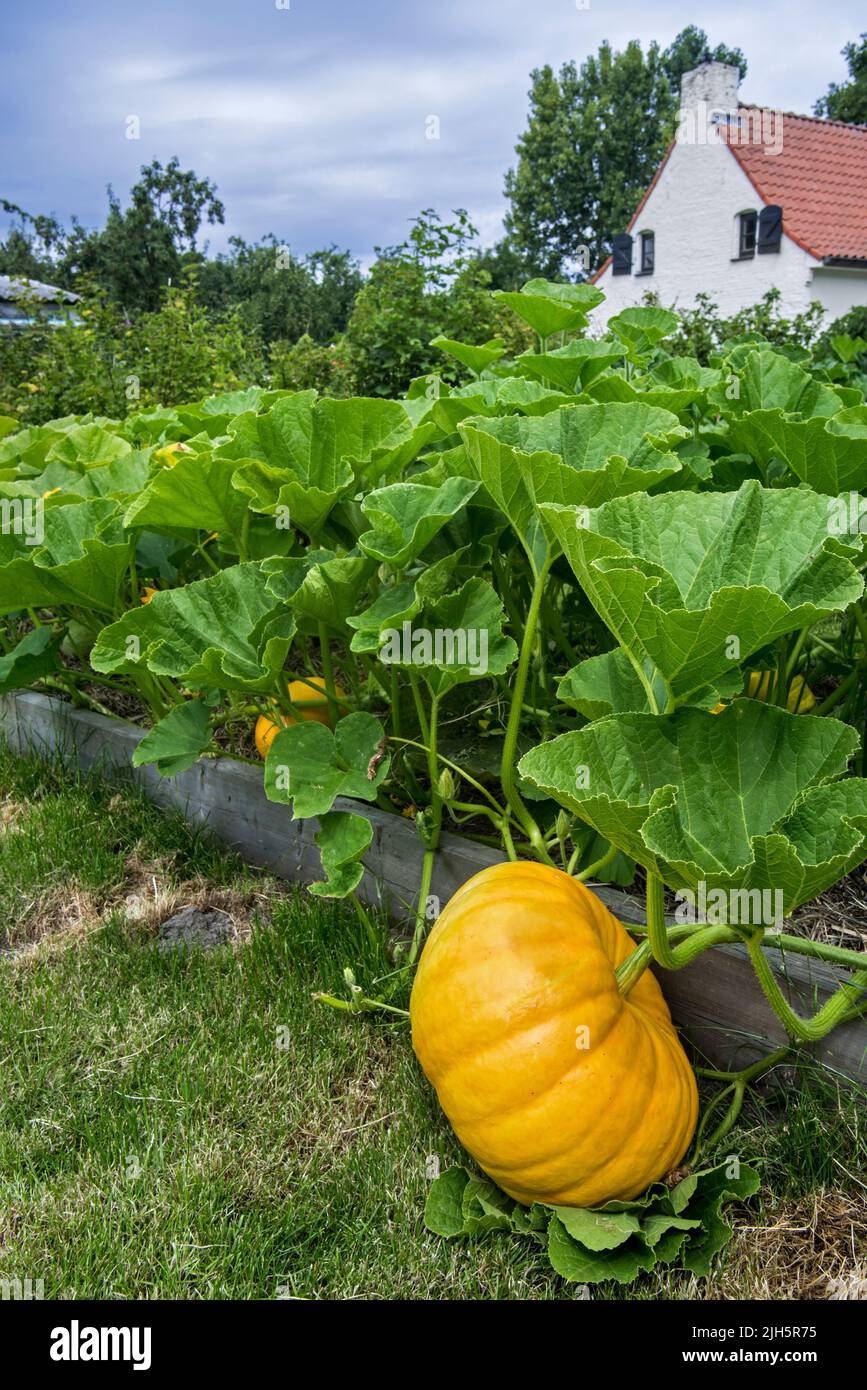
(312,119)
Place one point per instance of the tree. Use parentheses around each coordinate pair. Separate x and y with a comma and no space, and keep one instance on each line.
(31,245)
(144,247)
(594,138)
(283,296)
(690,49)
(848,101)
(431,283)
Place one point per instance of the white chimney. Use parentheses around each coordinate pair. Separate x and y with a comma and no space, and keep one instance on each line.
(708,104)
(714,84)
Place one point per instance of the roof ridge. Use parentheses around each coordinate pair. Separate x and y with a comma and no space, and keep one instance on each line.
(798,116)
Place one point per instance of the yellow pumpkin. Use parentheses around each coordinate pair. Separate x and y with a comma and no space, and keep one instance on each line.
(561,1089)
(300,691)
(148,593)
(761,686)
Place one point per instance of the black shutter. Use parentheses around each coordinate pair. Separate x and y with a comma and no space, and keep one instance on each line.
(621,254)
(770,228)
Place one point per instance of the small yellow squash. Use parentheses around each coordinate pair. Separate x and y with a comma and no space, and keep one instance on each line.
(300,693)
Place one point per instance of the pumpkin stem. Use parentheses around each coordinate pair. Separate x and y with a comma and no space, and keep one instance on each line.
(738,1083)
(510,742)
(849,1000)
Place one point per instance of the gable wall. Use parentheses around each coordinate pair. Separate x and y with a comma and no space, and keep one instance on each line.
(691,210)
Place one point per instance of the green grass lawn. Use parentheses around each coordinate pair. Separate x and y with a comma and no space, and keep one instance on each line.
(197,1127)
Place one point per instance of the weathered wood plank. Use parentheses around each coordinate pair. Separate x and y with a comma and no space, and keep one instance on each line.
(716,1001)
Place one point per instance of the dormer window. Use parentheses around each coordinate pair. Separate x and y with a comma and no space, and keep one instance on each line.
(747,227)
(647,253)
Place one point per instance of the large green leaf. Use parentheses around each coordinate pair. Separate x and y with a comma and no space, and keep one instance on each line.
(305,453)
(405,517)
(571,367)
(320,587)
(829,453)
(641,328)
(456,638)
(549,307)
(35,656)
(227,631)
(476,358)
(579,455)
(746,799)
(195,494)
(177,741)
(614,1242)
(609,684)
(343,839)
(85,446)
(691,585)
(311,767)
(82,559)
(768,380)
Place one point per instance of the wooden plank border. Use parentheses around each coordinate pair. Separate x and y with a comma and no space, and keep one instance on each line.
(716,1001)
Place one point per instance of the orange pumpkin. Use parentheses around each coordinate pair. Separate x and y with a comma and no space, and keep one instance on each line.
(562,1090)
(300,692)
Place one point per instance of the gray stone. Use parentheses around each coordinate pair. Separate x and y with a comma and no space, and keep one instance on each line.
(195,926)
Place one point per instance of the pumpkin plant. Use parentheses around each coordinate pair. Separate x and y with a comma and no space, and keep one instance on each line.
(597,606)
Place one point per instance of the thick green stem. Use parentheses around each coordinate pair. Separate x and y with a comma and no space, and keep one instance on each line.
(833,1011)
(513,726)
(593,869)
(328,672)
(738,1084)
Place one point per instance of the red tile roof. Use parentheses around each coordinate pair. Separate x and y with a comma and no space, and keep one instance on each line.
(819,179)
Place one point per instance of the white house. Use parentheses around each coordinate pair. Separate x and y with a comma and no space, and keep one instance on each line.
(746,199)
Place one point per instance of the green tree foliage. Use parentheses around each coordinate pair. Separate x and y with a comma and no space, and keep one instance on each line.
(145,246)
(847,101)
(432,283)
(594,138)
(99,361)
(283,296)
(690,49)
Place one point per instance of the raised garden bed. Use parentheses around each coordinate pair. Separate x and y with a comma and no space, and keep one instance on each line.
(716,1001)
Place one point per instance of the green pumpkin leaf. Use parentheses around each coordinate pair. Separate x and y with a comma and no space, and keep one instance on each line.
(641,328)
(578,455)
(572,367)
(343,839)
(581,1265)
(476,358)
(443,1211)
(85,446)
(767,380)
(405,517)
(226,631)
(309,766)
(195,494)
(82,558)
(35,656)
(772,813)
(456,638)
(178,740)
(676,577)
(829,454)
(550,307)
